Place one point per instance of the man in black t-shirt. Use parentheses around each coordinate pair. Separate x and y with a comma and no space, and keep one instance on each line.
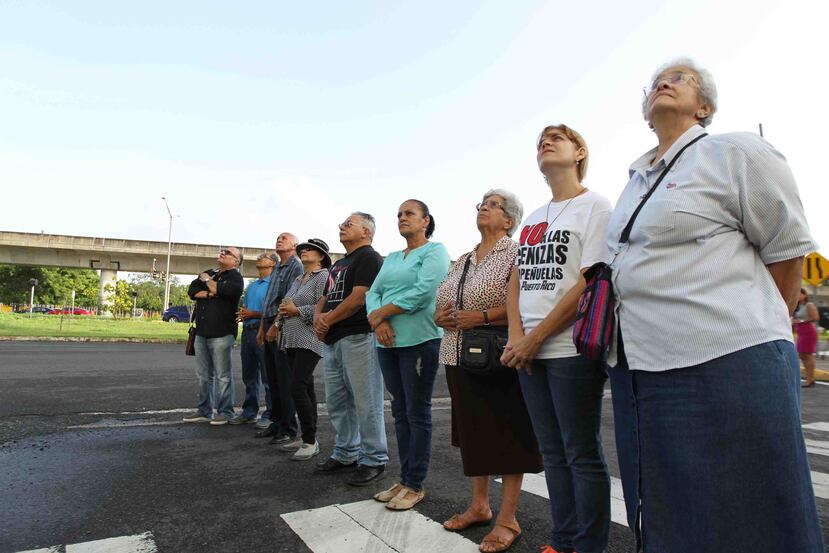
(353,381)
(216,293)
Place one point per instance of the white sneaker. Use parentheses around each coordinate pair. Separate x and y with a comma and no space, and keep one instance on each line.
(291,445)
(306,451)
(263,423)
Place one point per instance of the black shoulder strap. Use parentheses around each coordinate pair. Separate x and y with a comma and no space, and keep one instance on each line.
(626,232)
(463,279)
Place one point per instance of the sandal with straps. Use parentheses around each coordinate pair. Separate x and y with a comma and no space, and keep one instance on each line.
(462,521)
(500,543)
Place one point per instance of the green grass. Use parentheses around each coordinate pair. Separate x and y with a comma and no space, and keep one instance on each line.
(87,326)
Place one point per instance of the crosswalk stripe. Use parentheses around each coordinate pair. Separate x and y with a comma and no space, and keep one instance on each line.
(824,426)
(139,543)
(367,526)
(820,482)
(817,447)
(536,484)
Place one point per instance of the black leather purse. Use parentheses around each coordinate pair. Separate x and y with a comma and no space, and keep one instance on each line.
(480,348)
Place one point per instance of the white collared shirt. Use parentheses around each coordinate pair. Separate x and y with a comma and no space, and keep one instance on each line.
(692,283)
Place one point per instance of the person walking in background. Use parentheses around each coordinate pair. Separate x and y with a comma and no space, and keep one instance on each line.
(283,413)
(253,354)
(216,293)
(558,242)
(297,339)
(704,372)
(401,309)
(805,321)
(353,382)
(490,423)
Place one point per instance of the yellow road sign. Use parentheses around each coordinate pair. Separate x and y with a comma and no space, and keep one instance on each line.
(815,269)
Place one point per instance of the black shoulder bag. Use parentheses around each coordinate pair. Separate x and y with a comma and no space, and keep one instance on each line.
(480,348)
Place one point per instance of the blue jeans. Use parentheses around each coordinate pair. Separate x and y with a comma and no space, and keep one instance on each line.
(409,373)
(254,371)
(354,398)
(564,399)
(712,456)
(214,375)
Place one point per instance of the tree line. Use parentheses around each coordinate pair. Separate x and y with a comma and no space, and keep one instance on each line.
(55,287)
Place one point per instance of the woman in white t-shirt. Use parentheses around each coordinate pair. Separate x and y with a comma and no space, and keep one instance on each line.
(563,391)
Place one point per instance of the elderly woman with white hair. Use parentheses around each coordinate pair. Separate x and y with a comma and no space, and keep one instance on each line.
(707,241)
(490,423)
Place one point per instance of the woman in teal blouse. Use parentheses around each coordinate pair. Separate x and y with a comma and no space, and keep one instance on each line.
(401,309)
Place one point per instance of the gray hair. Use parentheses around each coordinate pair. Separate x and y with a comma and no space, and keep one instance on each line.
(707,87)
(368,222)
(270,254)
(513,208)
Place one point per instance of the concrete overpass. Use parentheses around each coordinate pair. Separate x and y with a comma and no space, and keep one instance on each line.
(110,255)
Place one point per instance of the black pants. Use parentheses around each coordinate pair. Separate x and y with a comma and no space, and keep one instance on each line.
(283,412)
(303,362)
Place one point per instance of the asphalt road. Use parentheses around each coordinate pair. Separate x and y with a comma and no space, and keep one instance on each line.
(91,447)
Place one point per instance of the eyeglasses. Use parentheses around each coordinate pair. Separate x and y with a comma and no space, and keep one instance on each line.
(228,252)
(348,223)
(670,78)
(491,204)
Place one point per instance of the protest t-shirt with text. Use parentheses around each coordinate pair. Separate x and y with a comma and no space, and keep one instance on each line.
(555,242)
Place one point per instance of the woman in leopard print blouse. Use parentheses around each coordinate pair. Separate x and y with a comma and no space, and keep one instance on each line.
(490,423)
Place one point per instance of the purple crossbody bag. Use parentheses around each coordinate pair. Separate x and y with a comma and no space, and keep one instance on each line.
(595,314)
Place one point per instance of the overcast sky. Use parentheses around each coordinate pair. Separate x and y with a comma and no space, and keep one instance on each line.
(258,117)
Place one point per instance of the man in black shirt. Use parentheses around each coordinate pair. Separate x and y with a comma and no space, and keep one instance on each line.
(353,381)
(217,293)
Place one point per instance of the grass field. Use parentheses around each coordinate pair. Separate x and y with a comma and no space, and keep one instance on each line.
(86,326)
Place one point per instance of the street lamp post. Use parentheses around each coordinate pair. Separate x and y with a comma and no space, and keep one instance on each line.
(169,249)
(32,283)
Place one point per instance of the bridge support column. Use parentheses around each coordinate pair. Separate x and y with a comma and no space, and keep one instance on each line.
(108,276)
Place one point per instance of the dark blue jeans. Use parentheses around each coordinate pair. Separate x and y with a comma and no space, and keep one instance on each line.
(409,374)
(254,372)
(564,399)
(712,456)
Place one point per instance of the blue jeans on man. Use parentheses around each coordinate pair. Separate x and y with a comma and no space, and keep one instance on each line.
(354,399)
(214,375)
(409,373)
(254,373)
(564,400)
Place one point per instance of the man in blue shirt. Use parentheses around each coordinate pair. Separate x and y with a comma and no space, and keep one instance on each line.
(253,355)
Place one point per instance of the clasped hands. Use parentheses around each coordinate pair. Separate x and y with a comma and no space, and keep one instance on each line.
(383,330)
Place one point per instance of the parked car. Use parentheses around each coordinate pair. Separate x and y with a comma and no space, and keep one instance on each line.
(35,309)
(177,314)
(69,311)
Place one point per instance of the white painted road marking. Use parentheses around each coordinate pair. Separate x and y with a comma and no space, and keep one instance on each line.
(536,484)
(820,482)
(438,404)
(368,527)
(139,543)
(817,426)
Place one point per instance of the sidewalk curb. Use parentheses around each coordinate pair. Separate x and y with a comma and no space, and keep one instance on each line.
(124,340)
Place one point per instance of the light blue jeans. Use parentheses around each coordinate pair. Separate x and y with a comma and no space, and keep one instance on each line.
(214,375)
(354,398)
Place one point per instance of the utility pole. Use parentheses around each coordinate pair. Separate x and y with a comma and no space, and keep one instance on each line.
(169,249)
(32,283)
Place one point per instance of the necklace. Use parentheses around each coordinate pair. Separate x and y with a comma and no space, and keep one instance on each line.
(550,204)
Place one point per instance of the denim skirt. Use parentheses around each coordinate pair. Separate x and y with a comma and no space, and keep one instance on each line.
(712,456)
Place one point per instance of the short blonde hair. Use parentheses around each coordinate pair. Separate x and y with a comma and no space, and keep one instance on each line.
(572,136)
